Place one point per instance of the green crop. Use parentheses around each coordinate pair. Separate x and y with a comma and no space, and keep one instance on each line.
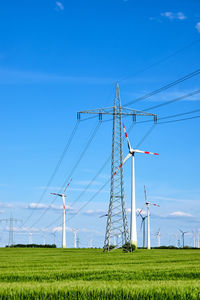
(94,274)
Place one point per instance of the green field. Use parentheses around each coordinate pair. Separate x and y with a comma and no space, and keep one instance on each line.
(92,274)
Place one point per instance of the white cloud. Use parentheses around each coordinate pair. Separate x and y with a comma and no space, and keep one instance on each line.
(59,5)
(47,206)
(173,16)
(198,26)
(86,182)
(30,77)
(93,212)
(180,214)
(6,205)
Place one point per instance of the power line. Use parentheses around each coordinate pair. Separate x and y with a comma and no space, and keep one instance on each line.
(90,183)
(72,171)
(56,168)
(172,116)
(100,170)
(178,120)
(165,87)
(174,100)
(160,61)
(146,135)
(141,141)
(101,188)
(83,153)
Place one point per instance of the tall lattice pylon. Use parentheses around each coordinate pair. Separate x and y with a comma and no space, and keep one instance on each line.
(117,231)
(117,226)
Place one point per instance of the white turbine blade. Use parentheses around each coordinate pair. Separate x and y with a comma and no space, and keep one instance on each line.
(145,152)
(125,159)
(129,145)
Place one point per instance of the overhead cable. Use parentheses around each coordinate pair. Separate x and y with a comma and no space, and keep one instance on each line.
(69,141)
(165,87)
(71,173)
(160,61)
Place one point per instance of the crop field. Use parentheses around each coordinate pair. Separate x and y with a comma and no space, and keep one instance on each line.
(92,274)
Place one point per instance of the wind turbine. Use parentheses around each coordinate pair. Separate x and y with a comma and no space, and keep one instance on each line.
(30,238)
(183,236)
(133,231)
(143,226)
(64,214)
(194,238)
(158,235)
(147,203)
(197,239)
(54,236)
(75,238)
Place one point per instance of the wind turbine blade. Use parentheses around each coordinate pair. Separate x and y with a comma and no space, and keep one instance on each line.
(155,204)
(68,185)
(103,216)
(145,152)
(56,194)
(127,157)
(129,145)
(145,194)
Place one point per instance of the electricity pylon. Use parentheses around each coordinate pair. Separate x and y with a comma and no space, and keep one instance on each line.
(11,221)
(117,224)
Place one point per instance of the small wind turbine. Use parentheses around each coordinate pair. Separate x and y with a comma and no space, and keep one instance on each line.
(75,238)
(147,203)
(176,239)
(54,237)
(158,235)
(197,239)
(64,213)
(133,231)
(194,238)
(30,238)
(143,225)
(183,236)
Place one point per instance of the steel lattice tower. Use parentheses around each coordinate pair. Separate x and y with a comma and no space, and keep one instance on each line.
(117,231)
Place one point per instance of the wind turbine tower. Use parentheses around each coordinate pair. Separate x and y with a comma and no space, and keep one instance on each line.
(148,218)
(30,238)
(143,226)
(158,235)
(183,237)
(133,230)
(75,236)
(63,196)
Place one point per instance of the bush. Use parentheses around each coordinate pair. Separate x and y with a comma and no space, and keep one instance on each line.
(128,247)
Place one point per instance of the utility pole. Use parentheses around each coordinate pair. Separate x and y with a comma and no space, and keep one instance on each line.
(11,221)
(116,218)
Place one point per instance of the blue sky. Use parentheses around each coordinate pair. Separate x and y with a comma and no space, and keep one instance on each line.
(60,57)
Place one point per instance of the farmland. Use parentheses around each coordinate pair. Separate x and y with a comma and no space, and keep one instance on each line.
(92,274)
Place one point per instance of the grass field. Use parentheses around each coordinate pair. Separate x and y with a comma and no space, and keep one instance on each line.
(92,274)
